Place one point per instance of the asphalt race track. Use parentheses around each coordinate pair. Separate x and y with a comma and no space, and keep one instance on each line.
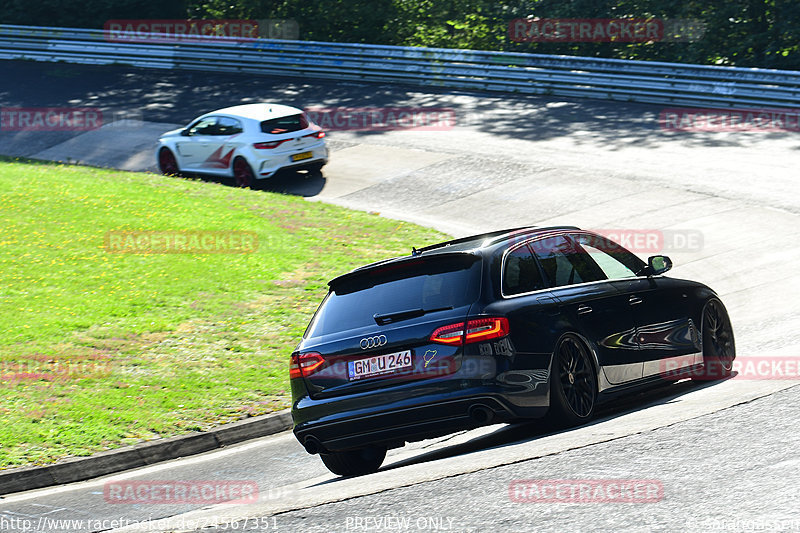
(723,453)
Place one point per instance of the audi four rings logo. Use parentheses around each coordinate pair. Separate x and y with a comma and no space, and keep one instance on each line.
(373,342)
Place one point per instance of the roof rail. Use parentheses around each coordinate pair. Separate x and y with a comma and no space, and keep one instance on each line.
(495,236)
(530,229)
(481,237)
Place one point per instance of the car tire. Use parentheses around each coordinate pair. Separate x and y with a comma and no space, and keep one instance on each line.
(243,175)
(573,383)
(167,163)
(355,462)
(719,348)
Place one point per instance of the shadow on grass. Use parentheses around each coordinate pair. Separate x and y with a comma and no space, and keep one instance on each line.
(305,183)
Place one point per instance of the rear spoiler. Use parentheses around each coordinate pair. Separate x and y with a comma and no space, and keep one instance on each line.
(386,267)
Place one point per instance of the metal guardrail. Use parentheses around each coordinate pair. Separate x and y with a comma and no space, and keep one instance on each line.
(612,79)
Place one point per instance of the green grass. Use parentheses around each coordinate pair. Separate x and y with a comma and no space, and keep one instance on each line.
(102,349)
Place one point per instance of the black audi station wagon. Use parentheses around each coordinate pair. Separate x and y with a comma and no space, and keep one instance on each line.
(509,325)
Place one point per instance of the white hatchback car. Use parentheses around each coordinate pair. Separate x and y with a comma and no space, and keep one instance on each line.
(246,142)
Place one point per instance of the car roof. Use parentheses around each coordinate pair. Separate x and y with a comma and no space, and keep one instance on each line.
(485,240)
(259,111)
(463,245)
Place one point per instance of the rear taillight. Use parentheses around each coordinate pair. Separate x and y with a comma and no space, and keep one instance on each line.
(476,330)
(483,329)
(317,134)
(452,334)
(268,145)
(304,364)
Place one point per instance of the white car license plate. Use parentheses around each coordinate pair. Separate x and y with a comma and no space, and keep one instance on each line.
(378,365)
(302,155)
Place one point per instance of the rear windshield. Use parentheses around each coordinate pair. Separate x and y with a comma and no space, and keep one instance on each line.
(432,283)
(285,124)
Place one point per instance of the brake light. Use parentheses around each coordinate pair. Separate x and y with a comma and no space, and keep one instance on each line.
(484,329)
(317,134)
(477,330)
(304,364)
(268,145)
(452,334)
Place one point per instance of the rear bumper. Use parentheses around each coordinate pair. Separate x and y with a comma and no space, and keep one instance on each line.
(267,166)
(394,428)
(413,412)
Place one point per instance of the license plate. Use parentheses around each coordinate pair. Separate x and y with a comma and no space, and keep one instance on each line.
(378,365)
(302,155)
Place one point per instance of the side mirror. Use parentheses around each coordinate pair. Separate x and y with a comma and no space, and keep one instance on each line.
(656,264)
(185,132)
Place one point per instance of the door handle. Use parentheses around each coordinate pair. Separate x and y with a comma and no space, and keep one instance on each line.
(583,309)
(634,300)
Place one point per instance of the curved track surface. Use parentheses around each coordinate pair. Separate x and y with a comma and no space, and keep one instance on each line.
(510,161)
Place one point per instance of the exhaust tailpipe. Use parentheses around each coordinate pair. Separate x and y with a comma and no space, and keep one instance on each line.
(481,414)
(313,445)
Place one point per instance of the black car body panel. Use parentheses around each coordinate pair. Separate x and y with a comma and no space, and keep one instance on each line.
(463,334)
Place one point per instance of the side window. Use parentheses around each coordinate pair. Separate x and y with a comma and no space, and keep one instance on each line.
(205,126)
(521,273)
(228,126)
(613,260)
(563,264)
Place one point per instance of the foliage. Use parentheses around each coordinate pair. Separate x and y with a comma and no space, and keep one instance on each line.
(87,13)
(764,33)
